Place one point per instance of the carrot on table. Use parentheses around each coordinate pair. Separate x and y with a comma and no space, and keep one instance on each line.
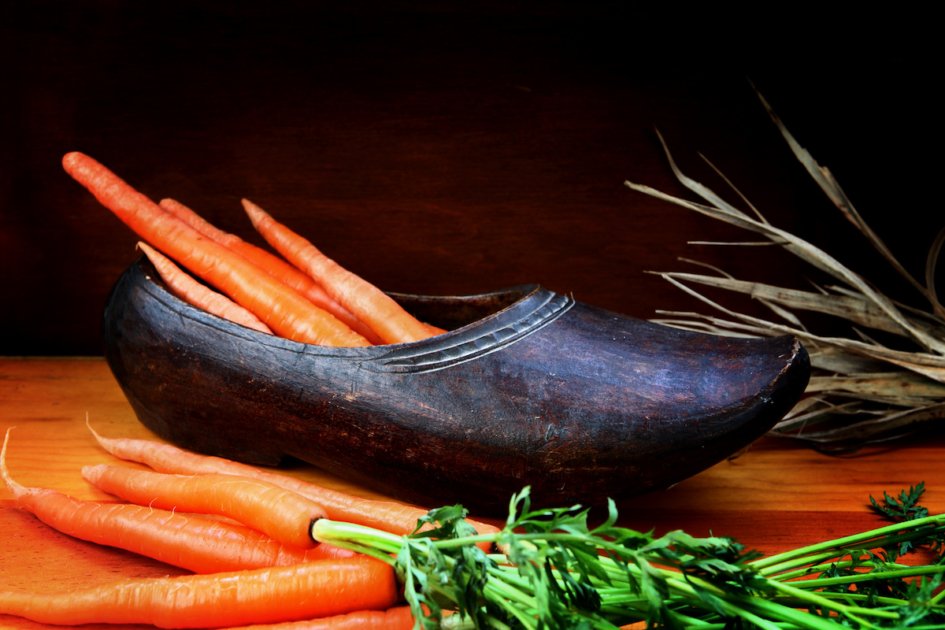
(282,514)
(199,295)
(368,303)
(187,541)
(271,264)
(320,588)
(281,308)
(390,516)
(397,618)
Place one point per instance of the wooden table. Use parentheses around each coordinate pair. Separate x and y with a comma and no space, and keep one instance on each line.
(775,496)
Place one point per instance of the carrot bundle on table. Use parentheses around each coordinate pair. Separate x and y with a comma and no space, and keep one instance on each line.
(390,516)
(242,576)
(180,535)
(308,297)
(283,515)
(397,618)
(320,588)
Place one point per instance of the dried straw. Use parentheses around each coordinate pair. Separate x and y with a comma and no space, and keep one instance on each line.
(861,390)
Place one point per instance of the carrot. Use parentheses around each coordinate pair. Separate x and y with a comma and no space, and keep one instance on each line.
(183,540)
(186,541)
(194,220)
(281,308)
(196,294)
(282,514)
(434,330)
(274,594)
(390,516)
(398,618)
(371,305)
(271,264)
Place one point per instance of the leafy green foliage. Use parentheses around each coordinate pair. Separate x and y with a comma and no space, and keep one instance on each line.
(904,508)
(552,569)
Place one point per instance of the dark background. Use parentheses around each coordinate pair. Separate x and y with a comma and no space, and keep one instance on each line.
(454,148)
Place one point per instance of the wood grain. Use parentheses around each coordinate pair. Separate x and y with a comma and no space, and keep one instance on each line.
(772,497)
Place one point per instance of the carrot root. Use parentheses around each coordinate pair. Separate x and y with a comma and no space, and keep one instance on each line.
(198,295)
(280,513)
(282,309)
(398,618)
(271,264)
(315,589)
(390,516)
(186,541)
(368,303)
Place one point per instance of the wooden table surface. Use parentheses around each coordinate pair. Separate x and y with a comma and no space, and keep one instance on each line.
(775,496)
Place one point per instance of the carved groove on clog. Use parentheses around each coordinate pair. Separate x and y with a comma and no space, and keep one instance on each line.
(502,329)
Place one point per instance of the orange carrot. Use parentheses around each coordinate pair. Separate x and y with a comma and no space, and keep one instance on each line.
(434,330)
(196,294)
(282,514)
(271,264)
(194,220)
(398,618)
(371,305)
(281,308)
(313,589)
(187,541)
(390,516)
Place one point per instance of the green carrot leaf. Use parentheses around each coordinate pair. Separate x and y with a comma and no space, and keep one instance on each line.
(905,507)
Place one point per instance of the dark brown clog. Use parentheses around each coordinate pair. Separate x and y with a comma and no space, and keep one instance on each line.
(529,387)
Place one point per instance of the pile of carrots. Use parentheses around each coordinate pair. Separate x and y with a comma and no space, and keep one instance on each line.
(242,532)
(302,295)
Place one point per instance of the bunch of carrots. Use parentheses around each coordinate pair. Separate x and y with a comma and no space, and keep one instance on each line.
(303,295)
(244,534)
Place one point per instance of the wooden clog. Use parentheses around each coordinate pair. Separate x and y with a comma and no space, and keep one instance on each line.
(528,387)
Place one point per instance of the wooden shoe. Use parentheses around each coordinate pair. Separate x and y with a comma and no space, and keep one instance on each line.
(528,387)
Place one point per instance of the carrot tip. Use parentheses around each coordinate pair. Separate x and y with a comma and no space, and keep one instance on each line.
(254,212)
(68,160)
(100,439)
(91,472)
(18,489)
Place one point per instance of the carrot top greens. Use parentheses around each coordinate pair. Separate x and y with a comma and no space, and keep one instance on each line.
(555,570)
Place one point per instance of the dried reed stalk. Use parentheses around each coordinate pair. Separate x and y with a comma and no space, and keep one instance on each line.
(861,390)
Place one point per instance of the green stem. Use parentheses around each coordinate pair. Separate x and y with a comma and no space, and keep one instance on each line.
(872,576)
(503,586)
(820,568)
(340,532)
(851,596)
(868,539)
(797,567)
(499,596)
(816,599)
(733,606)
(515,594)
